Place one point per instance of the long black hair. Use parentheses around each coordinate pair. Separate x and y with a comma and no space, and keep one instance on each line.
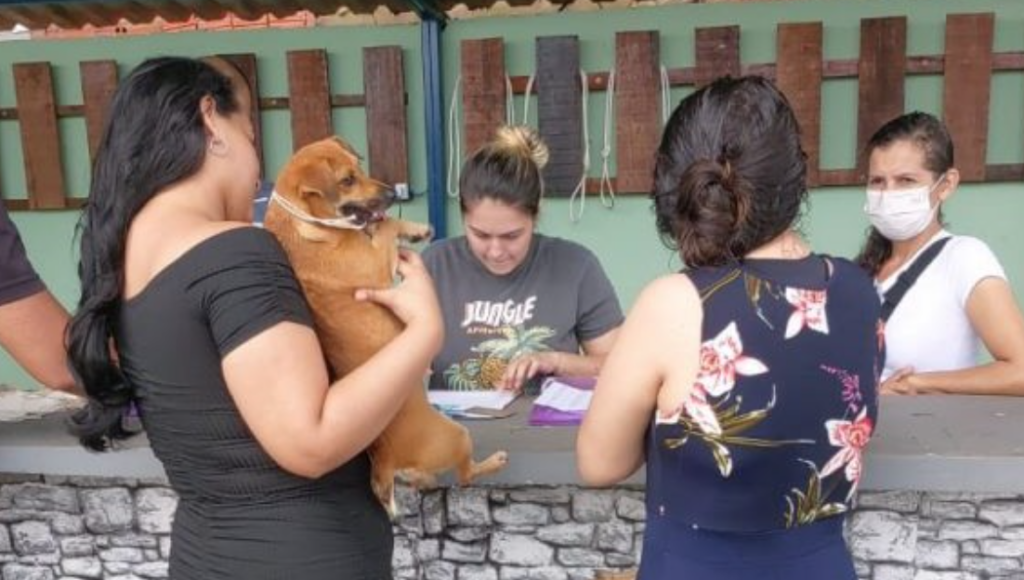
(153,138)
(730,174)
(928,134)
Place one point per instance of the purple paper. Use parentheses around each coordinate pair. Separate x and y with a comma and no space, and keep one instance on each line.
(541,415)
(546,416)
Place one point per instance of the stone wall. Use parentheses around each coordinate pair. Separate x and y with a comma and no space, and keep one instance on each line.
(61,528)
(73,527)
(906,535)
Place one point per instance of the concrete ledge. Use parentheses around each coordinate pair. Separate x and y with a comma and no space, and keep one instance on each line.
(924,443)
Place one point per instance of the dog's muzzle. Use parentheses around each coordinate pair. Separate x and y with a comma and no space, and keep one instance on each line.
(369,211)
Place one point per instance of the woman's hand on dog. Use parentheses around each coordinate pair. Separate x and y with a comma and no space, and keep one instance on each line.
(413,300)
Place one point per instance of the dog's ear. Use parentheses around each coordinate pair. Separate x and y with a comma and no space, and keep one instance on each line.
(308,189)
(347,148)
(317,180)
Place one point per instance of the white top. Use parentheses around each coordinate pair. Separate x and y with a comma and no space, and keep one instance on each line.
(929,330)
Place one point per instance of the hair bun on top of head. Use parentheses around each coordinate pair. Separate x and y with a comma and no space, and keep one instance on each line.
(522,140)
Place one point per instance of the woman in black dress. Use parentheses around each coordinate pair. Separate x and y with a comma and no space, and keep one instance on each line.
(196,317)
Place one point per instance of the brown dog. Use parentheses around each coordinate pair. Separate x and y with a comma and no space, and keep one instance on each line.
(329,217)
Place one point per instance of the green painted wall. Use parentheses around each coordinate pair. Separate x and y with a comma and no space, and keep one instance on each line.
(623,236)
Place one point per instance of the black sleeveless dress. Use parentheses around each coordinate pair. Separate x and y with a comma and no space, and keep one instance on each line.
(752,477)
(239,515)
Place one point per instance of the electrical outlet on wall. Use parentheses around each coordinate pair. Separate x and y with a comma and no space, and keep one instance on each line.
(402,192)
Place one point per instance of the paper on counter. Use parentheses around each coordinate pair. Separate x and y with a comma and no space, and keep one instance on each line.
(472,404)
(561,396)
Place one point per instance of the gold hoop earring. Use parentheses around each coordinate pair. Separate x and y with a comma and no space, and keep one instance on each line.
(218,147)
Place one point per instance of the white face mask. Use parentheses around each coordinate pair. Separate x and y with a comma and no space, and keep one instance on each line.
(901,214)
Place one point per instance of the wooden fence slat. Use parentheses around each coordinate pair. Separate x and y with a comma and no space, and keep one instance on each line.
(882,72)
(40,140)
(637,109)
(99,81)
(483,90)
(560,111)
(798,75)
(309,96)
(1004,172)
(718,53)
(384,86)
(13,205)
(966,89)
(246,63)
(839,177)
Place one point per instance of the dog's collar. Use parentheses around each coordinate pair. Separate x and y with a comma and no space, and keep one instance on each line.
(346,223)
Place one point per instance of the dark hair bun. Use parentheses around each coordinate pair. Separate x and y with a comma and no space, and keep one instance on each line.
(713,204)
(730,175)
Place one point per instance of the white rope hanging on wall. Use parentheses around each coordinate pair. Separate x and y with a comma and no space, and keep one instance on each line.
(454,143)
(606,150)
(580,192)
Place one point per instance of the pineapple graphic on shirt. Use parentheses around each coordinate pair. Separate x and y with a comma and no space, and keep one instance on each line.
(485,370)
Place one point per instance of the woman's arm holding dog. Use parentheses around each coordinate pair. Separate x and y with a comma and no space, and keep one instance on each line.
(279,381)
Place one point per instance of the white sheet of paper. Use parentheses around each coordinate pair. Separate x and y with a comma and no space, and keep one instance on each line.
(563,397)
(460,400)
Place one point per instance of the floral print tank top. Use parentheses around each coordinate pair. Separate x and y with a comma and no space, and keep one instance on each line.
(774,431)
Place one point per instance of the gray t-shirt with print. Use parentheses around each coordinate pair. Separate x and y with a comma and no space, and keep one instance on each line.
(557,298)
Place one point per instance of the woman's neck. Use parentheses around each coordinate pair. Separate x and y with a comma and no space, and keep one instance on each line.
(905,249)
(786,246)
(190,199)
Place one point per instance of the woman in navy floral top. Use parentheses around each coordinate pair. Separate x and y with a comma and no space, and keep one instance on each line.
(747,383)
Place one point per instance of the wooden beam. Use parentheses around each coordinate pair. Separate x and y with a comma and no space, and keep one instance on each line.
(718,53)
(966,89)
(99,81)
(246,64)
(40,139)
(560,111)
(384,86)
(637,109)
(882,71)
(483,90)
(309,96)
(799,78)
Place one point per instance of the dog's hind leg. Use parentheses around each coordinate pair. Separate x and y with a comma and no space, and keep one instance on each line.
(382,481)
(469,470)
(418,478)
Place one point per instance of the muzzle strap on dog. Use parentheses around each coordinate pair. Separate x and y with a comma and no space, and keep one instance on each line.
(348,223)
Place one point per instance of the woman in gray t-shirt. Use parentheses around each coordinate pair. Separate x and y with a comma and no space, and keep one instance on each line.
(517,305)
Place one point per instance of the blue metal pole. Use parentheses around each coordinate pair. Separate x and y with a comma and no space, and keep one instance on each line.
(430,33)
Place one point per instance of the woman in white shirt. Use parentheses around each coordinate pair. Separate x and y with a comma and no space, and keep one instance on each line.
(962,299)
